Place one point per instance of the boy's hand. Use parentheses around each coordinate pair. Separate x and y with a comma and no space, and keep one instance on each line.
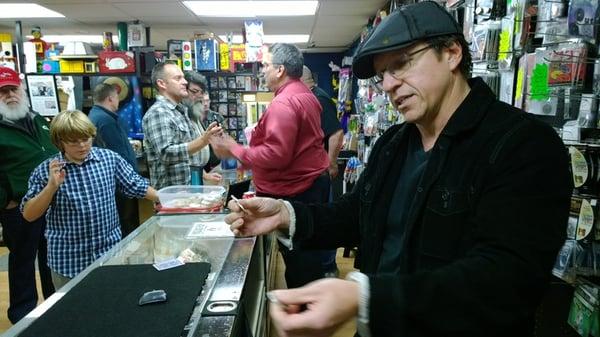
(57,173)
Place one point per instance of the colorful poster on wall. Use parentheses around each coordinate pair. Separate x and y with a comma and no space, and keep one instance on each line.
(254,34)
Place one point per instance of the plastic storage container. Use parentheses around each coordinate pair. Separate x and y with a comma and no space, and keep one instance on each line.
(183,199)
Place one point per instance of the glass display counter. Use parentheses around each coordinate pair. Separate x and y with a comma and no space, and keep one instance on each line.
(232,301)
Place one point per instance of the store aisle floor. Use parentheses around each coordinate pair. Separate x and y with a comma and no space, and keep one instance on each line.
(4,322)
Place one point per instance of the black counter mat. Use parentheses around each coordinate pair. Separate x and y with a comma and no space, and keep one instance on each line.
(105,303)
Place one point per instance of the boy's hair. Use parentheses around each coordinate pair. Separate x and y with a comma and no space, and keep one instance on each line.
(70,125)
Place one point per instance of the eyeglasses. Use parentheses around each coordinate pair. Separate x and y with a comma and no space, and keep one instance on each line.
(195,91)
(398,68)
(78,142)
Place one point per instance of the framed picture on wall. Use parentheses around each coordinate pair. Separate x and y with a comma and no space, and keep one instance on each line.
(231,82)
(43,94)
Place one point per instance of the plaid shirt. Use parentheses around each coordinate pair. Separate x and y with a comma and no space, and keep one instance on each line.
(82,220)
(167,130)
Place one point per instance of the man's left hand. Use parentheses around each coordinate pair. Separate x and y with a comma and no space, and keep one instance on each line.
(329,303)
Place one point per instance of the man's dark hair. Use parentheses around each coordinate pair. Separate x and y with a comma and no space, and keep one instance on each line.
(446,41)
(158,72)
(289,56)
(102,91)
(197,79)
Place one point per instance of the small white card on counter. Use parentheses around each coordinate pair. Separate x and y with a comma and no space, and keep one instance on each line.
(168,264)
(210,229)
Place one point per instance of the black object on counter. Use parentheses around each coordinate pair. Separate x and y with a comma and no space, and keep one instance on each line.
(105,303)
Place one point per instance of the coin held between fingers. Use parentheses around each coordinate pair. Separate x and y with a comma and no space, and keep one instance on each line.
(237,202)
(271,297)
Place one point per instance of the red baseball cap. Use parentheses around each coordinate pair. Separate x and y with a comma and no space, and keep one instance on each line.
(9,77)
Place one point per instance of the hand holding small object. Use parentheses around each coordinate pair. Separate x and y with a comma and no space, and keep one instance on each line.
(237,201)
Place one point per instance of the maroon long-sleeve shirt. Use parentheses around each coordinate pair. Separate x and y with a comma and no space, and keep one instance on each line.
(286,150)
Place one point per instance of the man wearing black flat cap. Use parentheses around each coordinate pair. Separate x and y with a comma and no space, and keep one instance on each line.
(459,215)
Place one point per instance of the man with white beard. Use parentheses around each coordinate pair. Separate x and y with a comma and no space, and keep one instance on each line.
(197,88)
(24,144)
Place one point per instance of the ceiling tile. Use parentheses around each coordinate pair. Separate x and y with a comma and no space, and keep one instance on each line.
(154,9)
(87,10)
(351,7)
(333,21)
(160,20)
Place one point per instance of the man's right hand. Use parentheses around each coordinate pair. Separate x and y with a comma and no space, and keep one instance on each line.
(329,303)
(214,129)
(261,216)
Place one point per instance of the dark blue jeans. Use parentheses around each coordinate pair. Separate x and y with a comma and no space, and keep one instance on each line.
(25,240)
(305,266)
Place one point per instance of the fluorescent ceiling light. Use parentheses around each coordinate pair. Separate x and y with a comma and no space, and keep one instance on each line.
(287,38)
(27,10)
(62,39)
(250,9)
(295,38)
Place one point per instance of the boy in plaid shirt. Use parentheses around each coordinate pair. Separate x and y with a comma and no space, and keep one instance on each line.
(75,189)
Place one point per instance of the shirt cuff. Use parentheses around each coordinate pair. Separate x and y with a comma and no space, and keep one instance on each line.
(286,238)
(364,296)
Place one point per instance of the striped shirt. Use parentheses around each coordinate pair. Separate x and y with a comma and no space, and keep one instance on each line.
(82,220)
(167,132)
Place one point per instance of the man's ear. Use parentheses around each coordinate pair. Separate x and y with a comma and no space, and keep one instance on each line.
(160,83)
(454,55)
(281,71)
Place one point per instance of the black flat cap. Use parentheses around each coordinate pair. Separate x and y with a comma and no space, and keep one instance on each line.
(402,28)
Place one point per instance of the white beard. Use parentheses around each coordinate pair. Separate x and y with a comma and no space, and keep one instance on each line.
(198,110)
(14,113)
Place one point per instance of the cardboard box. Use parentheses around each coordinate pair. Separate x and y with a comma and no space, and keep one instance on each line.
(71,66)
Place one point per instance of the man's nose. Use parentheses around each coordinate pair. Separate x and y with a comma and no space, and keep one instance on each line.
(390,82)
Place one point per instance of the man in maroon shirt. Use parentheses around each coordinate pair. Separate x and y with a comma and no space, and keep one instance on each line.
(286,151)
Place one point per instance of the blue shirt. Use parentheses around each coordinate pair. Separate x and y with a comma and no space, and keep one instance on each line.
(82,220)
(111,133)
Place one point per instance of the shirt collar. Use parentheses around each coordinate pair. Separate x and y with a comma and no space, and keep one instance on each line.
(91,156)
(287,83)
(110,113)
(470,111)
(170,104)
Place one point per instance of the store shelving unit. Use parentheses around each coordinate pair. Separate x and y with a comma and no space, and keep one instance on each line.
(226,92)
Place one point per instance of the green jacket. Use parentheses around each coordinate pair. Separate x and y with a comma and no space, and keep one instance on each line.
(21,153)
